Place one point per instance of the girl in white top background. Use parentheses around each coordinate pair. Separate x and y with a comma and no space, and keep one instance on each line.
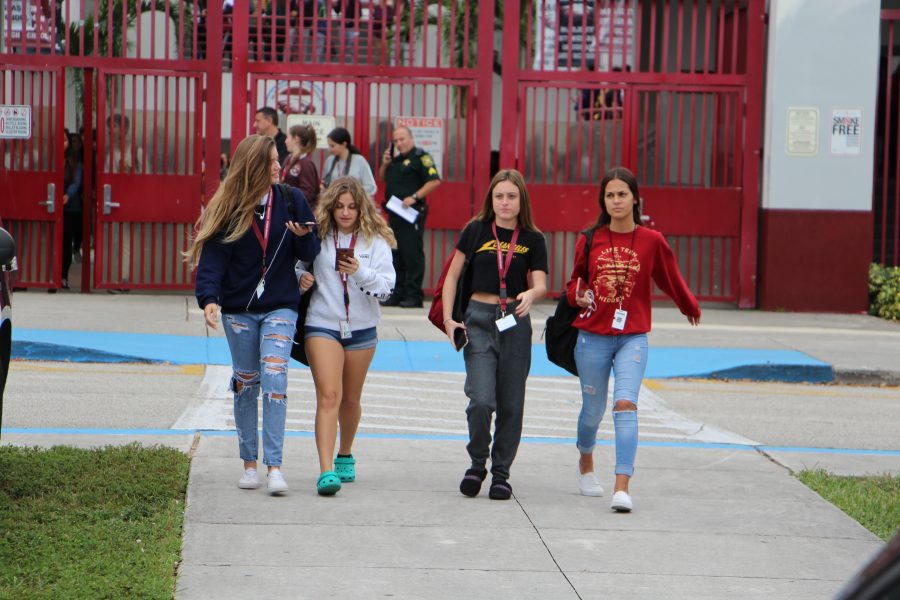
(346,159)
(353,272)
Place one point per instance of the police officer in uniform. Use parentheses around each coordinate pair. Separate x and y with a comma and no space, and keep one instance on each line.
(411,176)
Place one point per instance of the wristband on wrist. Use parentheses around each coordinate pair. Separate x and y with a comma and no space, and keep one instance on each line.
(445,320)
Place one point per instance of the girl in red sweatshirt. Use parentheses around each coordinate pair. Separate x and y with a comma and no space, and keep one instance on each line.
(613,289)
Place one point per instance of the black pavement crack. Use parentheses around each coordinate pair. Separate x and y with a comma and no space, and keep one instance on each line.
(549,552)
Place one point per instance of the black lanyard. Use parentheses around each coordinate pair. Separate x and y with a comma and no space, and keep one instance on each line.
(620,283)
(503,269)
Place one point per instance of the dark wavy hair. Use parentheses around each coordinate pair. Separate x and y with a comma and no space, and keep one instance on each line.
(626,176)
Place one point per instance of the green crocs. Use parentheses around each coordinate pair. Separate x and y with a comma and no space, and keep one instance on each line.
(328,484)
(345,467)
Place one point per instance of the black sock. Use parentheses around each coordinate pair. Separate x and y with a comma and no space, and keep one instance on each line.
(344,455)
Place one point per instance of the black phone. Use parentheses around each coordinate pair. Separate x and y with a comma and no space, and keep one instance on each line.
(460,338)
(393,153)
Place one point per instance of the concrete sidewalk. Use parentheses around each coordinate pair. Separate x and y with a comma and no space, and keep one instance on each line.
(711,521)
(708,524)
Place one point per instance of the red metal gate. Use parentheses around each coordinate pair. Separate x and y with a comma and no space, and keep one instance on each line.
(31,176)
(672,90)
(886,188)
(157,73)
(369,67)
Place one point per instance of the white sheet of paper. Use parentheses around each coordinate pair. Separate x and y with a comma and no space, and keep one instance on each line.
(395,205)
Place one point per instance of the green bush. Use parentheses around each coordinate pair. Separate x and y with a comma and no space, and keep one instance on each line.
(884,291)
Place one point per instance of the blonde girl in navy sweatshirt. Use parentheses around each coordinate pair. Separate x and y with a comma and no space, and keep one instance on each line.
(245,248)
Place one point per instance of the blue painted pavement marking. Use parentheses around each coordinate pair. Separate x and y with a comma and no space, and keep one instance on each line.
(411,356)
(454,438)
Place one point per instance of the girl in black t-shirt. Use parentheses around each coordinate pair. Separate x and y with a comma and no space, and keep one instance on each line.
(496,332)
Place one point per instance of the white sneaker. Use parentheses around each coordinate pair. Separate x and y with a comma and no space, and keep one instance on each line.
(621,502)
(276,483)
(249,480)
(588,483)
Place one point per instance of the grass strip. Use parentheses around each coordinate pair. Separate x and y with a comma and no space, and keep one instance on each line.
(874,501)
(95,523)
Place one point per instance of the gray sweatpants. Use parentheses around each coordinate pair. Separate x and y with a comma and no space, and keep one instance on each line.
(497,366)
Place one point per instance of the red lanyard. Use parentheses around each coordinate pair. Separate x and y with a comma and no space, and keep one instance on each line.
(503,269)
(263,238)
(344,275)
(620,283)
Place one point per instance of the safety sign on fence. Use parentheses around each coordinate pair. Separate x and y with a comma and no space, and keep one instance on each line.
(15,122)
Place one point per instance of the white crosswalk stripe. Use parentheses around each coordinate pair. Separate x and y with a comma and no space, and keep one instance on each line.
(434,403)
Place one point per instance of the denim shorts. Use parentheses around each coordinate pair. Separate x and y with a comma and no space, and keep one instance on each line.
(362,339)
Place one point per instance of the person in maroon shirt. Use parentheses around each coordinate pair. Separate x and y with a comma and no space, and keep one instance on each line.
(299,170)
(613,287)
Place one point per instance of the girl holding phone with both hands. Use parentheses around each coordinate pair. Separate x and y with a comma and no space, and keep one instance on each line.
(497,325)
(352,273)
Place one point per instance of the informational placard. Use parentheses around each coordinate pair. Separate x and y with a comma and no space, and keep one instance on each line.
(802,137)
(584,33)
(428,133)
(846,131)
(15,122)
(323,124)
(29,19)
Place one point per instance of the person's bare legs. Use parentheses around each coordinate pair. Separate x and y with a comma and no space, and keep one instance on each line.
(356,365)
(326,361)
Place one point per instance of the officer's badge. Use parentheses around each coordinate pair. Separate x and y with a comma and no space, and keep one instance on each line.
(427,161)
(406,163)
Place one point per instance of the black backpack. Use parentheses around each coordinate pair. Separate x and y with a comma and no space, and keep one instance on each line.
(559,335)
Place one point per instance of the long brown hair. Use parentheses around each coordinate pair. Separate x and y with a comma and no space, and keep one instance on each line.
(231,207)
(487,209)
(371,223)
(627,177)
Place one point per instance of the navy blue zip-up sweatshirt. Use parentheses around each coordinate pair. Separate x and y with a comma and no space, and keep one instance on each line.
(228,273)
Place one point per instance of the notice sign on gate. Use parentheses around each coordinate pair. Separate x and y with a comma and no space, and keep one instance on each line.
(15,122)
(428,133)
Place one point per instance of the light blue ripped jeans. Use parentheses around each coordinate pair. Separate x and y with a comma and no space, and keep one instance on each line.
(595,355)
(260,345)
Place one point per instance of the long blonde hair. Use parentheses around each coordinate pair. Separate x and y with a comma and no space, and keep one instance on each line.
(371,223)
(231,207)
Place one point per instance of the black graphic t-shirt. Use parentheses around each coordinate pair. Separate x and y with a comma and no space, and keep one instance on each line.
(530,255)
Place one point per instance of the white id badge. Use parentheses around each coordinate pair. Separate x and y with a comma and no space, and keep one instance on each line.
(619,319)
(346,334)
(507,322)
(260,288)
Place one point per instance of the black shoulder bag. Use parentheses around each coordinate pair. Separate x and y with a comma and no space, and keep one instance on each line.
(559,335)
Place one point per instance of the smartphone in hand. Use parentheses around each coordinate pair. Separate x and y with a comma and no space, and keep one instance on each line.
(460,338)
(342,254)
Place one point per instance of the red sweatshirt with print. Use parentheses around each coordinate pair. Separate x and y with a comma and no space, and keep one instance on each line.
(627,264)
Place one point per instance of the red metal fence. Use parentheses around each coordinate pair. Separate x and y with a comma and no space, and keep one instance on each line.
(670,89)
(154,75)
(886,188)
(665,88)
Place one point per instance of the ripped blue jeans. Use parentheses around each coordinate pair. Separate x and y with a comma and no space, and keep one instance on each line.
(260,345)
(595,356)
